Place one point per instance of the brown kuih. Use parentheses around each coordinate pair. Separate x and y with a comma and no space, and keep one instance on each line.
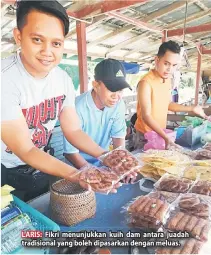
(188,246)
(205,232)
(163,251)
(161,212)
(173,221)
(198,228)
(142,205)
(197,247)
(182,223)
(155,207)
(147,208)
(132,207)
(192,223)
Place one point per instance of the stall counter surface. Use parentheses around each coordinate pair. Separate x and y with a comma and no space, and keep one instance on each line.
(109,215)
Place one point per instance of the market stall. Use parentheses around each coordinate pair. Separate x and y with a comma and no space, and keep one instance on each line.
(170,184)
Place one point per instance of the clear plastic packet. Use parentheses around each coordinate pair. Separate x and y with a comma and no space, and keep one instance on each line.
(121,162)
(205,162)
(190,153)
(187,246)
(194,204)
(202,154)
(99,179)
(201,187)
(178,221)
(207,146)
(170,157)
(169,197)
(173,183)
(143,223)
(157,163)
(198,172)
(146,212)
(149,171)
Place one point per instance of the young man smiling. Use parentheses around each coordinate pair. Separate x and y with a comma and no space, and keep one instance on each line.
(35,93)
(154,91)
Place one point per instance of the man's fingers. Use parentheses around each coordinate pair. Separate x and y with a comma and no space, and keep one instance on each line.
(85,185)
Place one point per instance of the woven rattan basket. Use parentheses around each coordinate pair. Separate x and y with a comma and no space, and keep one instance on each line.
(70,203)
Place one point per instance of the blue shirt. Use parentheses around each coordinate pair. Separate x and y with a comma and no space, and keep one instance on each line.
(100,125)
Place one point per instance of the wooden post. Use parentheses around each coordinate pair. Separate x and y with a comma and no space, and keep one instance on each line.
(164,37)
(82,55)
(198,75)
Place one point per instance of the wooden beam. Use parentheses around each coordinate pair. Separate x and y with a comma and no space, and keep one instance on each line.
(189,30)
(164,11)
(138,49)
(201,5)
(193,17)
(82,55)
(96,21)
(205,50)
(135,22)
(103,7)
(164,37)
(99,55)
(126,42)
(110,35)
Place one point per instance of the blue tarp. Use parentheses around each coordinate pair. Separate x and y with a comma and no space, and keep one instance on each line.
(131,68)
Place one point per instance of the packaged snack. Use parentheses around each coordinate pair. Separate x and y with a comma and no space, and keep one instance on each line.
(194,204)
(172,183)
(147,212)
(164,158)
(207,146)
(188,246)
(169,197)
(201,187)
(202,154)
(120,161)
(196,172)
(206,162)
(151,172)
(178,221)
(100,180)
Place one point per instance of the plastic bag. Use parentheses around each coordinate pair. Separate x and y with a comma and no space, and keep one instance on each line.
(177,221)
(207,146)
(165,158)
(147,212)
(195,205)
(198,172)
(99,179)
(169,197)
(203,154)
(120,161)
(157,142)
(201,187)
(172,183)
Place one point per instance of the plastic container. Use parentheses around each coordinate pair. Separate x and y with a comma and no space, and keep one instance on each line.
(39,222)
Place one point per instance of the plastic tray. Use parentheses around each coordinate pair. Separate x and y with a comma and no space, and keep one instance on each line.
(40,222)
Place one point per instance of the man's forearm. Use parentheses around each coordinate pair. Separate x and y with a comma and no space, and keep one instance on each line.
(76,159)
(48,164)
(154,126)
(84,143)
(174,107)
